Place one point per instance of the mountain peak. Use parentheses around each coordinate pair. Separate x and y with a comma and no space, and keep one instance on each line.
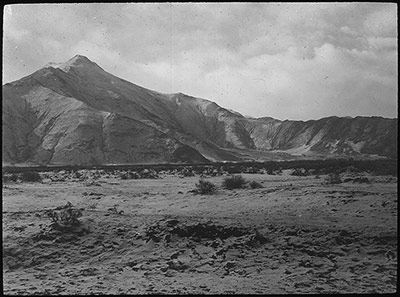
(76,61)
(80,61)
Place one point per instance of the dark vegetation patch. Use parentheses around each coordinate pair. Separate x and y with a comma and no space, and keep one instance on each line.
(11,177)
(234,182)
(334,178)
(186,171)
(145,173)
(205,187)
(31,176)
(300,168)
(300,172)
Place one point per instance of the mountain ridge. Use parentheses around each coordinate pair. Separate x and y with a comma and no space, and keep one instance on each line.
(77,113)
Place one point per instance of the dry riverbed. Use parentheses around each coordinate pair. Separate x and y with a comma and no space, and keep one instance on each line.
(146,236)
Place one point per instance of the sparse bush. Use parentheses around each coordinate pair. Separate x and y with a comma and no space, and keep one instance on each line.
(253,170)
(361,179)
(146,173)
(255,185)
(65,217)
(274,171)
(115,210)
(234,168)
(205,187)
(234,182)
(76,174)
(334,178)
(13,177)
(31,176)
(299,172)
(185,172)
(351,169)
(130,175)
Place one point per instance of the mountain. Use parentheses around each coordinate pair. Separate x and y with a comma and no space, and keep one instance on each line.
(76,113)
(327,136)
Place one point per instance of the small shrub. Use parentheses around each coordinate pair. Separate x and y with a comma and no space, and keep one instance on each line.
(186,172)
(255,185)
(130,175)
(334,178)
(31,176)
(361,179)
(253,170)
(13,177)
(65,217)
(115,210)
(273,171)
(299,172)
(148,173)
(76,174)
(205,187)
(234,169)
(234,182)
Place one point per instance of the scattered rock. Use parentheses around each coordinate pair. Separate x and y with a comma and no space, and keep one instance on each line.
(230,264)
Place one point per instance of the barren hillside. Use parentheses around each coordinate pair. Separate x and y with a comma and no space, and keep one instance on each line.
(77,113)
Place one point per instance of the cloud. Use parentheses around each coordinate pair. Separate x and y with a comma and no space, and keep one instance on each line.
(295,61)
(383,22)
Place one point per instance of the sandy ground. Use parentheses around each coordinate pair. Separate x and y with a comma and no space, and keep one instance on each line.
(294,235)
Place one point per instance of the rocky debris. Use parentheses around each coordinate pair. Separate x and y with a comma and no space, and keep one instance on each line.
(172,228)
(177,265)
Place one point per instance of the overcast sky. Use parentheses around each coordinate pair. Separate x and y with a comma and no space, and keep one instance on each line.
(288,61)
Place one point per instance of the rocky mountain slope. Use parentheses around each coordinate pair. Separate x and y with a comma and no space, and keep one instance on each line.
(332,136)
(77,113)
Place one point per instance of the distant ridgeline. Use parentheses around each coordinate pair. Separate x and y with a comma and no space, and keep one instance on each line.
(75,113)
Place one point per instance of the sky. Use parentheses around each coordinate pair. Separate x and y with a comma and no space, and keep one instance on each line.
(297,61)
